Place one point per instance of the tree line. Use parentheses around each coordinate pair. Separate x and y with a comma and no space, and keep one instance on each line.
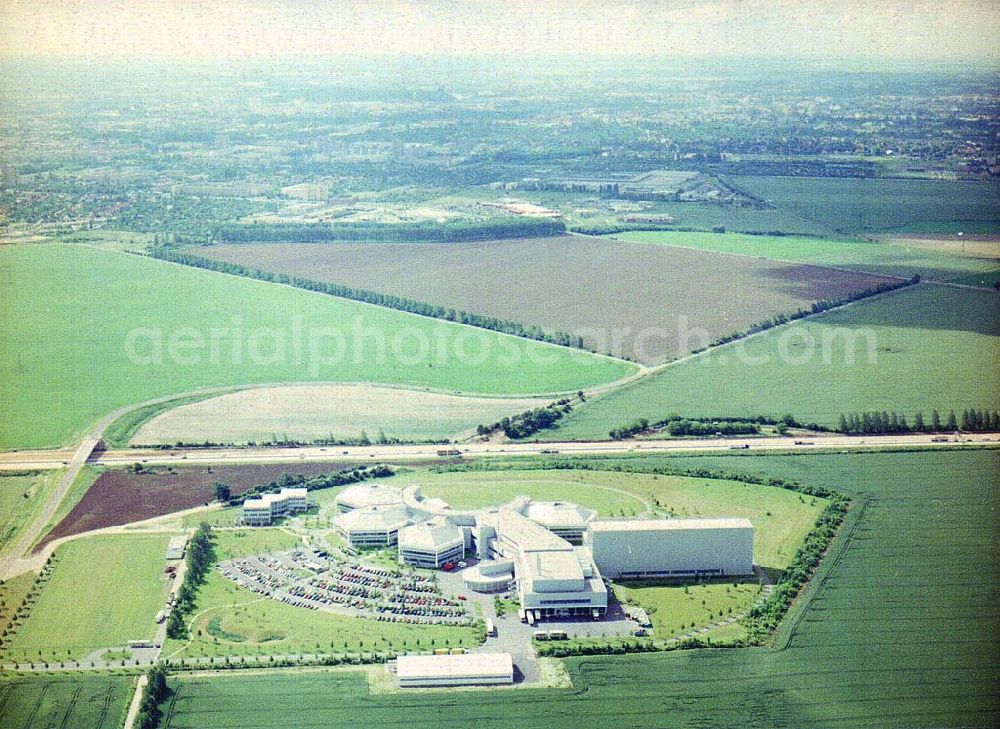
(875,422)
(314,483)
(199,559)
(400,303)
(817,307)
(371,231)
(677,425)
(530,422)
(156,691)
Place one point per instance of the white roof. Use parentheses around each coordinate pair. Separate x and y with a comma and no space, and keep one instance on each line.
(177,542)
(555,514)
(430,535)
(528,535)
(553,566)
(296,493)
(374,518)
(644,525)
(363,494)
(466,665)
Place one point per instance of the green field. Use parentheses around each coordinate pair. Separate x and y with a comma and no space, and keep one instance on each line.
(890,259)
(781,518)
(933,347)
(989,279)
(229,620)
(45,702)
(91,330)
(82,608)
(21,499)
(889,634)
(883,205)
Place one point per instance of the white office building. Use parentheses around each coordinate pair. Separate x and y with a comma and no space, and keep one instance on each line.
(372,526)
(467,669)
(563,519)
(269,507)
(431,544)
(637,548)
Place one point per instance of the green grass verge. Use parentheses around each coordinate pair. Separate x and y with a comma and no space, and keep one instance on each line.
(915,350)
(101,326)
(882,258)
(104,591)
(899,631)
(37,702)
(120,432)
(21,499)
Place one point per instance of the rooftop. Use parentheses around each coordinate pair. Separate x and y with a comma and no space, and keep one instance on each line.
(556,514)
(466,665)
(430,535)
(374,518)
(527,535)
(363,494)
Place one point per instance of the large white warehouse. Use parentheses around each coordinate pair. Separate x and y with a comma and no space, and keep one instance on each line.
(636,548)
(469,669)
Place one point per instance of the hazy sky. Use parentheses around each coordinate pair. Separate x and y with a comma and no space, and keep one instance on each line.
(966,30)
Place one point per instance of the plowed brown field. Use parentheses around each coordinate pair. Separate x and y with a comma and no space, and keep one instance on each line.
(648,303)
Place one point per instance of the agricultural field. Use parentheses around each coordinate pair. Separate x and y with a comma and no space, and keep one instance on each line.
(22,496)
(122,496)
(640,302)
(310,412)
(230,620)
(781,518)
(889,634)
(883,205)
(77,490)
(894,257)
(914,350)
(989,279)
(80,608)
(92,701)
(107,329)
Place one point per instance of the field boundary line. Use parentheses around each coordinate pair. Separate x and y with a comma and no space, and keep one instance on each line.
(841,541)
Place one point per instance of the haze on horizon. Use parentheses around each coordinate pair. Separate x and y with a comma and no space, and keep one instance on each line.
(948,31)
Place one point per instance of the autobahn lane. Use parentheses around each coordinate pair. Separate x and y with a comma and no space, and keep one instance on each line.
(21,460)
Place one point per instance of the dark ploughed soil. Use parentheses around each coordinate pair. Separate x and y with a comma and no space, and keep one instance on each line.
(643,301)
(120,496)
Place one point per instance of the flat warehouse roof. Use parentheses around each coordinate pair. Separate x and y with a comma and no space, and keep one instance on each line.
(641,525)
(464,666)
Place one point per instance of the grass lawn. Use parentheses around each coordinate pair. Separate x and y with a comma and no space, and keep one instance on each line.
(916,350)
(92,701)
(890,634)
(21,499)
(103,592)
(120,432)
(674,609)
(91,330)
(882,258)
(781,518)
(234,621)
(989,279)
(233,543)
(475,489)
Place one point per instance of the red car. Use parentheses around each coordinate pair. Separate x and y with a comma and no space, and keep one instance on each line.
(462,597)
(448,566)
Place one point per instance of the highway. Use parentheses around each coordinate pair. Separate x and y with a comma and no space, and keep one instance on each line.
(59,458)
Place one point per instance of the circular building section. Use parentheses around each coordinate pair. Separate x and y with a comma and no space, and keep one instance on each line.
(563,519)
(362,495)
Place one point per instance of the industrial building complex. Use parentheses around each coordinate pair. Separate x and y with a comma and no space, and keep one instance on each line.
(556,555)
